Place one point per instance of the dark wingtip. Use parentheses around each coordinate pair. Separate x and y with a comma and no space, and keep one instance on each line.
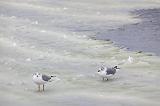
(53,76)
(116,67)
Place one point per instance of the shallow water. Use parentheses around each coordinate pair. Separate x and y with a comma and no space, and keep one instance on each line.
(56,37)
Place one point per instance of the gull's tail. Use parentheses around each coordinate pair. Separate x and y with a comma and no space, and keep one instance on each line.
(52,78)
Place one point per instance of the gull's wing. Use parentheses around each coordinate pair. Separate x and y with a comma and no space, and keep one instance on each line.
(110,71)
(46,78)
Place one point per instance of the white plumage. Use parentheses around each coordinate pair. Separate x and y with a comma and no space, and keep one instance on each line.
(41,79)
(106,73)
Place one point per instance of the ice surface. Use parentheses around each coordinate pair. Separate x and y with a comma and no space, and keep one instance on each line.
(57,37)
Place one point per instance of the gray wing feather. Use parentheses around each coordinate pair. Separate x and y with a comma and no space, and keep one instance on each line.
(110,71)
(46,78)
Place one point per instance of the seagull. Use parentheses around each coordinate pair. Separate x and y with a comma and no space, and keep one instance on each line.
(105,72)
(41,79)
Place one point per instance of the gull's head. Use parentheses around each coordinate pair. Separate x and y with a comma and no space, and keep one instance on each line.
(37,78)
(100,69)
(36,75)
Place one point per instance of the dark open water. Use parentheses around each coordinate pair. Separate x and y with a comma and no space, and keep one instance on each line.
(141,36)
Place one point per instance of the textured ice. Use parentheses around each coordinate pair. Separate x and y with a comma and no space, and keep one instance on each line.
(57,37)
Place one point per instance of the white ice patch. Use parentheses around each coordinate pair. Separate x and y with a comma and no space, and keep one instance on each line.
(65,8)
(12,83)
(41,56)
(28,59)
(80,75)
(13,17)
(130,59)
(98,13)
(32,47)
(84,36)
(64,36)
(43,31)
(14,44)
(34,22)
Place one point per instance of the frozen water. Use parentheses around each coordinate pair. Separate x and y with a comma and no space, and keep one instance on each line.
(57,37)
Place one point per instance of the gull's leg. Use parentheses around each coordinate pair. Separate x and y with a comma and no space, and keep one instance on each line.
(103,78)
(39,88)
(43,87)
